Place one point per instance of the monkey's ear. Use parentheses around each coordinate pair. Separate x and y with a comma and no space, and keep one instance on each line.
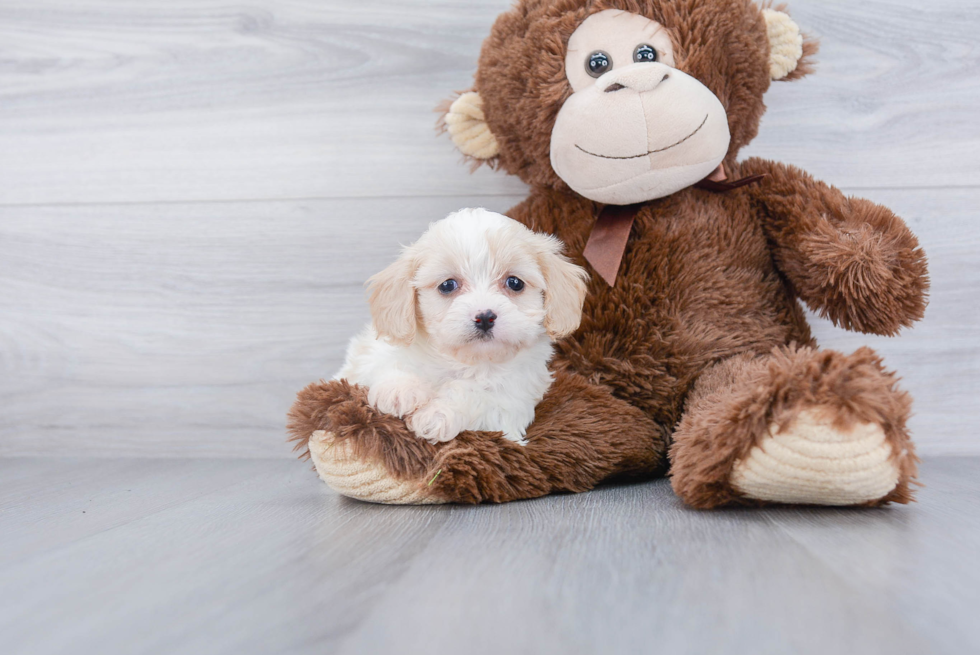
(789,51)
(468,127)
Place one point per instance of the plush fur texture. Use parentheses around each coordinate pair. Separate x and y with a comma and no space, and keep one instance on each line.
(722,43)
(570,447)
(702,339)
(473,355)
(734,402)
(344,410)
(850,260)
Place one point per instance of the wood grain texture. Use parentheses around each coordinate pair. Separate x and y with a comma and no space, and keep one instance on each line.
(186,329)
(178,100)
(193,194)
(278,563)
(183,329)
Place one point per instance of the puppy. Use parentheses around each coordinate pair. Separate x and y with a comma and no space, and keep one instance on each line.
(462,327)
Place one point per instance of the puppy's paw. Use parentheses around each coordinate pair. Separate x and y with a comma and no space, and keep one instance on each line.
(516,431)
(399,397)
(435,422)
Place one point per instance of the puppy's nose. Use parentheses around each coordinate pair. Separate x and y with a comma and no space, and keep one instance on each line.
(484,321)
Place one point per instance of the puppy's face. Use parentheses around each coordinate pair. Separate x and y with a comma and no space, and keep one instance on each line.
(480,286)
(480,292)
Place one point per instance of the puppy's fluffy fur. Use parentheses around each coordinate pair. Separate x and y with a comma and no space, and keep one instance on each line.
(455,343)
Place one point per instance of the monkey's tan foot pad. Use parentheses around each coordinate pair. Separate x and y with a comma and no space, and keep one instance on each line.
(813,463)
(369,481)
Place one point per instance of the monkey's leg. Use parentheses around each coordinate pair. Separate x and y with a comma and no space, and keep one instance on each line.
(581,436)
(799,426)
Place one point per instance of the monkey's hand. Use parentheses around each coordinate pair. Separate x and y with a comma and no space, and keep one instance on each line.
(849,259)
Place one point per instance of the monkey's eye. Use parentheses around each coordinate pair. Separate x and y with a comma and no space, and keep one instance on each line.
(598,63)
(448,286)
(644,54)
(515,284)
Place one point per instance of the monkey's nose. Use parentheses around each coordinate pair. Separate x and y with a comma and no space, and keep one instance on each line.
(484,321)
(637,77)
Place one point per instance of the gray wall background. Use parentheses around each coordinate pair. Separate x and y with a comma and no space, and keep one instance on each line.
(192,193)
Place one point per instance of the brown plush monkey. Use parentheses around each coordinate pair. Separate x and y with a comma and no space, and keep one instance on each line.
(626,118)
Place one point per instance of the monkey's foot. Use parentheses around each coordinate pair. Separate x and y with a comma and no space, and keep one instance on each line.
(812,462)
(364,479)
(795,426)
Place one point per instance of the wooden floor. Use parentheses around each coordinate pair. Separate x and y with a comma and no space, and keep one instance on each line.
(257,556)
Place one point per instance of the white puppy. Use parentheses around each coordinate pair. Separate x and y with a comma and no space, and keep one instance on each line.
(463,325)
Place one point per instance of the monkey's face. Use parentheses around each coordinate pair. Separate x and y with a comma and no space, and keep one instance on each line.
(635,128)
(624,101)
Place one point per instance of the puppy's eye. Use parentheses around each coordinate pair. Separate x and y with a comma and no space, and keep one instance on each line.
(448,286)
(515,284)
(644,54)
(598,63)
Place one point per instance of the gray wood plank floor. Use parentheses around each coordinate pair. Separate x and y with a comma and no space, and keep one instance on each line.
(257,556)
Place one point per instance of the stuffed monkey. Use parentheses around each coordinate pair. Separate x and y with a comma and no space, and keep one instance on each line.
(694,358)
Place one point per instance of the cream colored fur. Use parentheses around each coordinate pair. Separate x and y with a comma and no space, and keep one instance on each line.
(468,127)
(785,43)
(425,356)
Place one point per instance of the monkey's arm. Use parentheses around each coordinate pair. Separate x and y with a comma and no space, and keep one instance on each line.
(851,260)
(581,436)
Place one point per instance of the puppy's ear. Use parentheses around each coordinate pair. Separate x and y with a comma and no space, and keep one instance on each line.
(392,300)
(565,292)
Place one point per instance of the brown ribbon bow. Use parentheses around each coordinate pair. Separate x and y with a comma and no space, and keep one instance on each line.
(607,242)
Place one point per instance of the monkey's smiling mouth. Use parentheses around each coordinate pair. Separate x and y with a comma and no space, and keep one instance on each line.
(652,152)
